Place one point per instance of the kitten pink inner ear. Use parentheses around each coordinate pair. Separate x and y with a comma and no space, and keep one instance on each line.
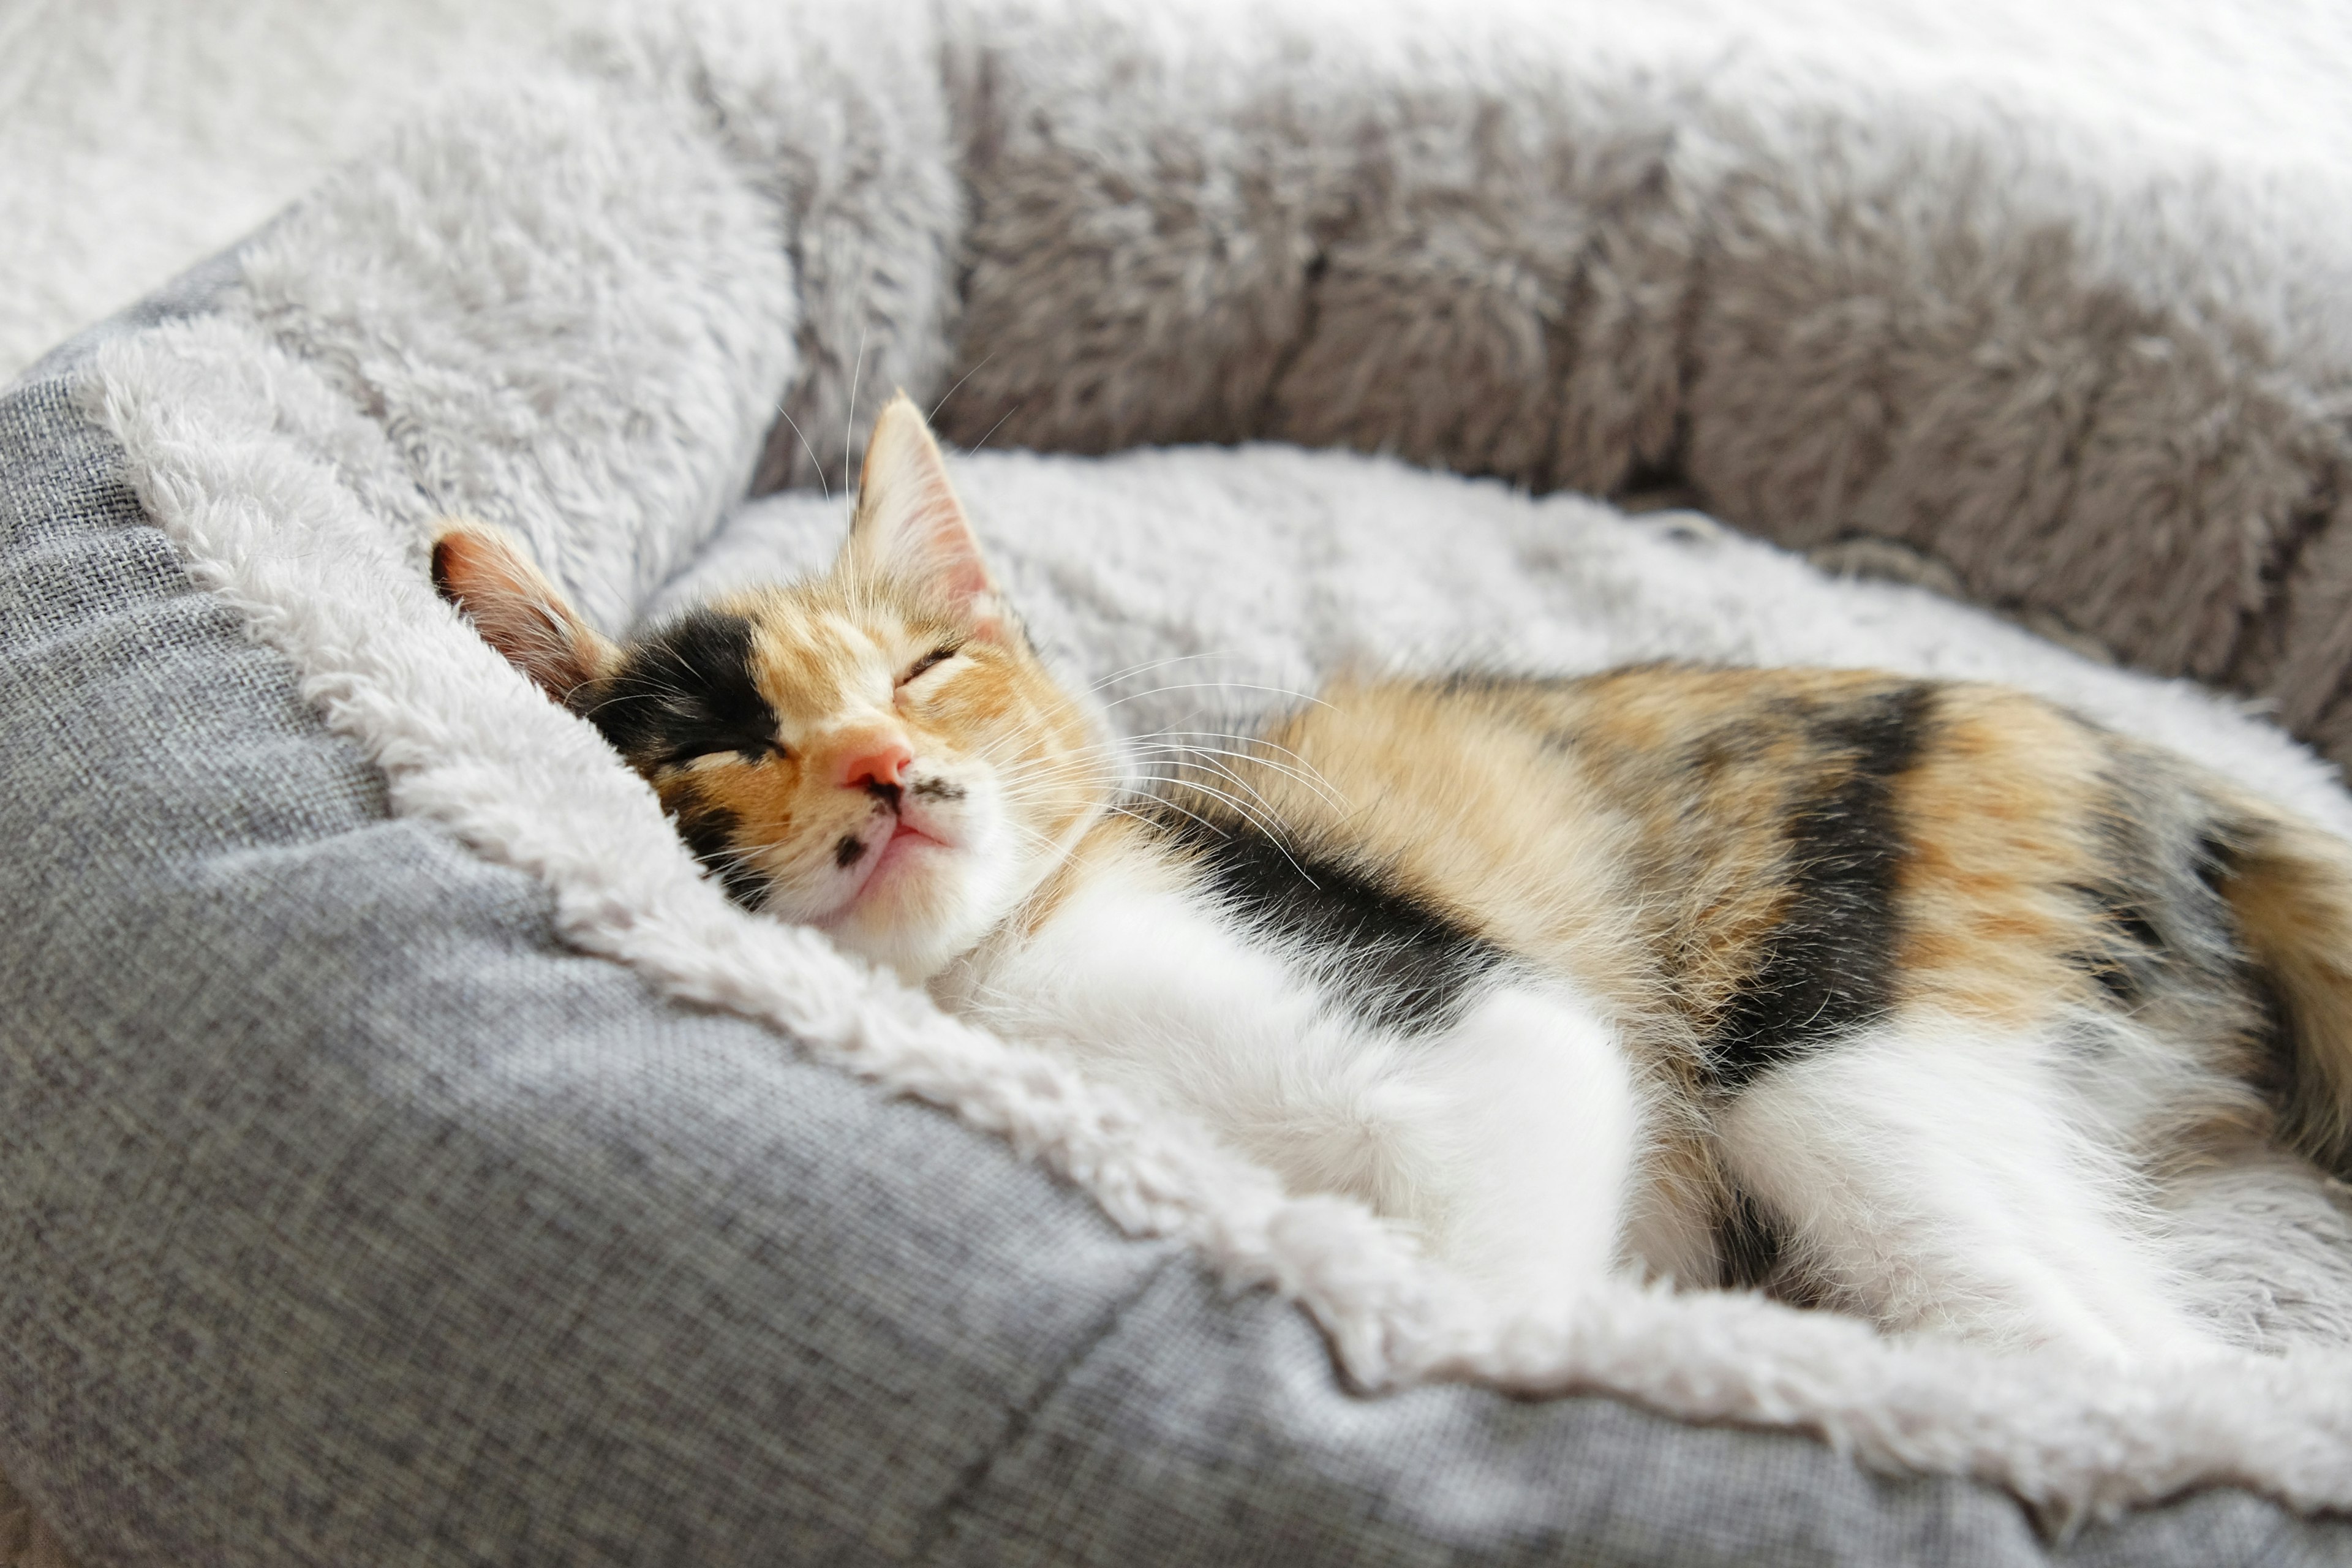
(908,522)
(484,571)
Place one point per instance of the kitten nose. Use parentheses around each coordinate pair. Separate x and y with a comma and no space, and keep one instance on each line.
(877,760)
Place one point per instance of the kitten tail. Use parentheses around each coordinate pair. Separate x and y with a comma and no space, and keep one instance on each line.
(2290,886)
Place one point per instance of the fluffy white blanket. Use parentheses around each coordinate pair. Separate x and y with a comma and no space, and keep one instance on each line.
(572,305)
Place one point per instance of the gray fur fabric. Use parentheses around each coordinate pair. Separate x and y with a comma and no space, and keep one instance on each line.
(2055,301)
(2059,297)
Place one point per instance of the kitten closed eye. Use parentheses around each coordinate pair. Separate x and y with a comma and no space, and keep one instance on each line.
(938,655)
(748,749)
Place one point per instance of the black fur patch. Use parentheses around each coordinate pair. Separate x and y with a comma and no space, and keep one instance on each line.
(682,692)
(1750,1244)
(2128,966)
(848,852)
(1828,964)
(2215,861)
(2118,981)
(2133,922)
(710,832)
(1390,960)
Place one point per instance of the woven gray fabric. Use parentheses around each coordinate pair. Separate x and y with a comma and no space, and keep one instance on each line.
(351,1218)
(358,1221)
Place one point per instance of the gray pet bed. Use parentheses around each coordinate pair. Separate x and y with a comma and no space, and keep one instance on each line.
(407,1158)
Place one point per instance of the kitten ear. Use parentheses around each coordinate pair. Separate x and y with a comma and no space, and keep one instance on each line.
(908,523)
(484,571)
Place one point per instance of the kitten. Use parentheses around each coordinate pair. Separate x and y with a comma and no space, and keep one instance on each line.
(1894,996)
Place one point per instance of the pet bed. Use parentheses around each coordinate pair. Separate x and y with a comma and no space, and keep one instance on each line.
(408,1156)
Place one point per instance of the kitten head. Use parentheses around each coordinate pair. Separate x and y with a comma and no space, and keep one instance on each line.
(877,751)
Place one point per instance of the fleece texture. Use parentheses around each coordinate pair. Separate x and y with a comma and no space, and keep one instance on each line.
(2041,305)
(1839,274)
(137,137)
(1835,300)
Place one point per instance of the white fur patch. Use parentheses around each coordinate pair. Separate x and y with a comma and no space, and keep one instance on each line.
(1935,1170)
(1503,1140)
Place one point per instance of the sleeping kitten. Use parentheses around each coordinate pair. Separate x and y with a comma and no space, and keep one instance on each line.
(1895,995)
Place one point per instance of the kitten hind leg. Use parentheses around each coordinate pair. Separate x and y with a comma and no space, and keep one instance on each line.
(1929,1177)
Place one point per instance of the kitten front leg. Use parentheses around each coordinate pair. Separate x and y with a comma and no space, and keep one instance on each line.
(1506,1137)
(1928,1176)
(1506,1140)
(1511,1141)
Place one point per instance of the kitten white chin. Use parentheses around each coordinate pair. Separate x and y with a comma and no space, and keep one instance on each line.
(932,905)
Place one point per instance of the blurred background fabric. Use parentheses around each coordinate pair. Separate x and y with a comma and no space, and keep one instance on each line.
(139,136)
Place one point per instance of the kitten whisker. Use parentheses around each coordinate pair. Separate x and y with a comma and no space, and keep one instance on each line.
(1245,740)
(1219,686)
(1269,822)
(1273,836)
(1303,775)
(1000,423)
(1228,773)
(951,390)
(1137,756)
(1118,675)
(814,462)
(849,425)
(719,864)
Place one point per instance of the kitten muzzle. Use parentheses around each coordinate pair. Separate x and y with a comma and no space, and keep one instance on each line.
(901,819)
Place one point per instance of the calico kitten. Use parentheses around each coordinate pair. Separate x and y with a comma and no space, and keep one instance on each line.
(1897,995)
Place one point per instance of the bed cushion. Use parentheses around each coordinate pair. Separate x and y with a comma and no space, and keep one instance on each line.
(376,1190)
(356,1218)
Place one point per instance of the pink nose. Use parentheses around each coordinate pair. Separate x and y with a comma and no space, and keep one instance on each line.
(877,761)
